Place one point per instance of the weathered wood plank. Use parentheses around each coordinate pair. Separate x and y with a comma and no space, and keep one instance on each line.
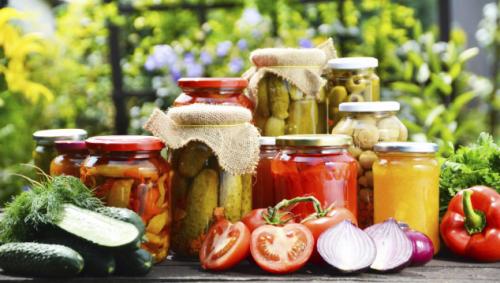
(174,271)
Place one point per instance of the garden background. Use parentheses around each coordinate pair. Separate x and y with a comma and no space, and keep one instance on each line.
(56,60)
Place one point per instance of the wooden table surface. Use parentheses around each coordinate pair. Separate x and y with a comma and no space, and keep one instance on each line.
(438,270)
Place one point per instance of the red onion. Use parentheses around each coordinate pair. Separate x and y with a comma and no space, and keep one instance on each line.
(394,248)
(423,249)
(346,247)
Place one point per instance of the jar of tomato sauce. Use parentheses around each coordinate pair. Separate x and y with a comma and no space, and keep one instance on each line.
(128,171)
(45,139)
(317,165)
(263,186)
(70,158)
(406,186)
(229,91)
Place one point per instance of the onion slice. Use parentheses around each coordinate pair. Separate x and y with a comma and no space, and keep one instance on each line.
(346,247)
(394,248)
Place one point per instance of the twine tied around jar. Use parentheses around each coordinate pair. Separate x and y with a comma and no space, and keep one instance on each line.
(225,129)
(300,66)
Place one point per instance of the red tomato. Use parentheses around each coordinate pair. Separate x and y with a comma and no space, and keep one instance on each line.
(225,245)
(318,225)
(254,218)
(281,249)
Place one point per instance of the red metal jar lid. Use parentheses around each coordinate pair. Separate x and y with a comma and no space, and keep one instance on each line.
(63,146)
(212,83)
(124,143)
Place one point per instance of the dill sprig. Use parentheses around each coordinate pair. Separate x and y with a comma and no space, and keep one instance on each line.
(42,205)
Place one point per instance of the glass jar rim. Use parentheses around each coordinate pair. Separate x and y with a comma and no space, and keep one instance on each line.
(47,137)
(227,83)
(375,106)
(325,140)
(407,147)
(124,143)
(267,141)
(352,63)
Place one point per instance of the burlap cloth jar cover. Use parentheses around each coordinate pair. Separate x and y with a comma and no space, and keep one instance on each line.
(227,130)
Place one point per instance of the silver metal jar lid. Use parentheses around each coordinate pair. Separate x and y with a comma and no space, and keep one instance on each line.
(412,147)
(266,140)
(377,106)
(314,140)
(47,137)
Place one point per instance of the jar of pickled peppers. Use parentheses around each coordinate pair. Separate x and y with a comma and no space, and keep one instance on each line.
(350,79)
(316,165)
(70,158)
(128,171)
(263,186)
(45,150)
(406,186)
(228,91)
(368,123)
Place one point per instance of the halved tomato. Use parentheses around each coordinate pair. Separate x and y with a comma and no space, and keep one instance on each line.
(225,245)
(281,249)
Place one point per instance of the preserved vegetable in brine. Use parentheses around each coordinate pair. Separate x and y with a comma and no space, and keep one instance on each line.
(70,158)
(263,185)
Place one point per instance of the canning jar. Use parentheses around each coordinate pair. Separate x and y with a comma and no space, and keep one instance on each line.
(406,184)
(283,109)
(128,171)
(228,91)
(350,79)
(263,186)
(70,158)
(199,185)
(317,165)
(368,123)
(45,151)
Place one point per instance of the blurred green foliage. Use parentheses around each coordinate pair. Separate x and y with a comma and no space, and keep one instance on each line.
(442,102)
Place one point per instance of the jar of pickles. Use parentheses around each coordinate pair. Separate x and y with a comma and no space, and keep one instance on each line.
(128,171)
(213,150)
(263,187)
(228,91)
(317,165)
(45,150)
(350,79)
(368,123)
(406,186)
(70,158)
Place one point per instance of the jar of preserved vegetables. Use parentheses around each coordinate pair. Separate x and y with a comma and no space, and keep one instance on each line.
(368,123)
(213,150)
(70,158)
(406,186)
(350,79)
(229,91)
(263,186)
(128,171)
(317,165)
(45,150)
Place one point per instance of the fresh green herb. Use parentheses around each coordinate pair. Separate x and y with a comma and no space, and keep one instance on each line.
(42,205)
(476,164)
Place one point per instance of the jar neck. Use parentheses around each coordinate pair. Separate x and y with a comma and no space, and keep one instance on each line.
(205,92)
(314,149)
(364,71)
(374,114)
(120,155)
(76,153)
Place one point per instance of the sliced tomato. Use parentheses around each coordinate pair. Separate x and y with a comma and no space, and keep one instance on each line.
(254,218)
(225,245)
(281,249)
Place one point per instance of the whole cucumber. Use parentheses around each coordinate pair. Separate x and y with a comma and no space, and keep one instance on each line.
(246,196)
(231,190)
(133,263)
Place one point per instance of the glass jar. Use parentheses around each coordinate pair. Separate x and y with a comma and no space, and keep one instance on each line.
(368,123)
(70,158)
(128,171)
(350,79)
(263,194)
(44,149)
(213,91)
(317,165)
(406,184)
(199,185)
(282,109)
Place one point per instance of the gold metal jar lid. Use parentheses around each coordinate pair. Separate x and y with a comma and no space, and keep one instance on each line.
(410,147)
(314,140)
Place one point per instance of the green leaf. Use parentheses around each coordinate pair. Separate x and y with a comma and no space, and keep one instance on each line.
(459,102)
(406,87)
(431,117)
(468,54)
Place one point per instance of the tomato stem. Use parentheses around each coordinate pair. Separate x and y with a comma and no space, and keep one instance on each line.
(475,221)
(273,215)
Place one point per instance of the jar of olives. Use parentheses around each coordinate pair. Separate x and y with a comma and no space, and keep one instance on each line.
(350,79)
(369,123)
(70,158)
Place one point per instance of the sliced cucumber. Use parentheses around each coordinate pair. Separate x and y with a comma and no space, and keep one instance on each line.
(99,229)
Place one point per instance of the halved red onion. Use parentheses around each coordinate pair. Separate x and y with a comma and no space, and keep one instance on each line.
(346,247)
(394,248)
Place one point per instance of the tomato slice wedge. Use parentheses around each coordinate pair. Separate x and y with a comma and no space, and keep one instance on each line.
(281,249)
(225,245)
